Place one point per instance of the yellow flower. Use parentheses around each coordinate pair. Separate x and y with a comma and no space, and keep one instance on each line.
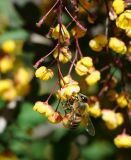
(10,94)
(77,31)
(118,6)
(83,65)
(65,34)
(128,33)
(121,100)
(64,55)
(6,64)
(9,46)
(93,78)
(23,76)
(43,108)
(43,73)
(94,109)
(68,90)
(117,45)
(112,119)
(66,80)
(40,107)
(124,20)
(5,85)
(120,119)
(123,141)
(55,118)
(98,43)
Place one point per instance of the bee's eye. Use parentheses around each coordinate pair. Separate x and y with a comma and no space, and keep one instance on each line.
(84,99)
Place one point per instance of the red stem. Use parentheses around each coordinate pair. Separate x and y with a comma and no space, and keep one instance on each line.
(78,47)
(72,64)
(53,91)
(43,58)
(41,21)
(59,43)
(77,23)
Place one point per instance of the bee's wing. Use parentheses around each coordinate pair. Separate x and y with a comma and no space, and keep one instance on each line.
(88,125)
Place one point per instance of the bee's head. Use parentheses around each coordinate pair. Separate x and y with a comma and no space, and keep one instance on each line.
(83,98)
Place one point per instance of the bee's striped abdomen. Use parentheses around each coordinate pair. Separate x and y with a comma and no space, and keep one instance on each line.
(74,122)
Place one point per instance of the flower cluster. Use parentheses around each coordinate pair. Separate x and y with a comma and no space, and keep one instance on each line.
(46,110)
(103,65)
(18,84)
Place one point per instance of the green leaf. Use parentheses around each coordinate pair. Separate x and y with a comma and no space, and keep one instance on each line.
(34,149)
(116,73)
(98,150)
(59,134)
(14,35)
(2,103)
(37,149)
(29,118)
(7,8)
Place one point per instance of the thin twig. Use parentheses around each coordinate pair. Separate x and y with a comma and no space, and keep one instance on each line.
(53,91)
(72,64)
(43,58)
(41,21)
(106,67)
(77,23)
(78,47)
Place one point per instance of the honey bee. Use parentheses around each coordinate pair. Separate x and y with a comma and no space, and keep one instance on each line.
(79,114)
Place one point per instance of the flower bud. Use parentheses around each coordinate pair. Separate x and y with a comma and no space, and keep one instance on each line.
(23,76)
(40,107)
(43,73)
(93,78)
(5,85)
(120,118)
(64,55)
(10,94)
(68,91)
(121,100)
(69,88)
(44,108)
(94,109)
(112,119)
(9,46)
(117,45)
(83,65)
(65,34)
(123,141)
(118,6)
(98,43)
(67,79)
(124,20)
(55,117)
(6,64)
